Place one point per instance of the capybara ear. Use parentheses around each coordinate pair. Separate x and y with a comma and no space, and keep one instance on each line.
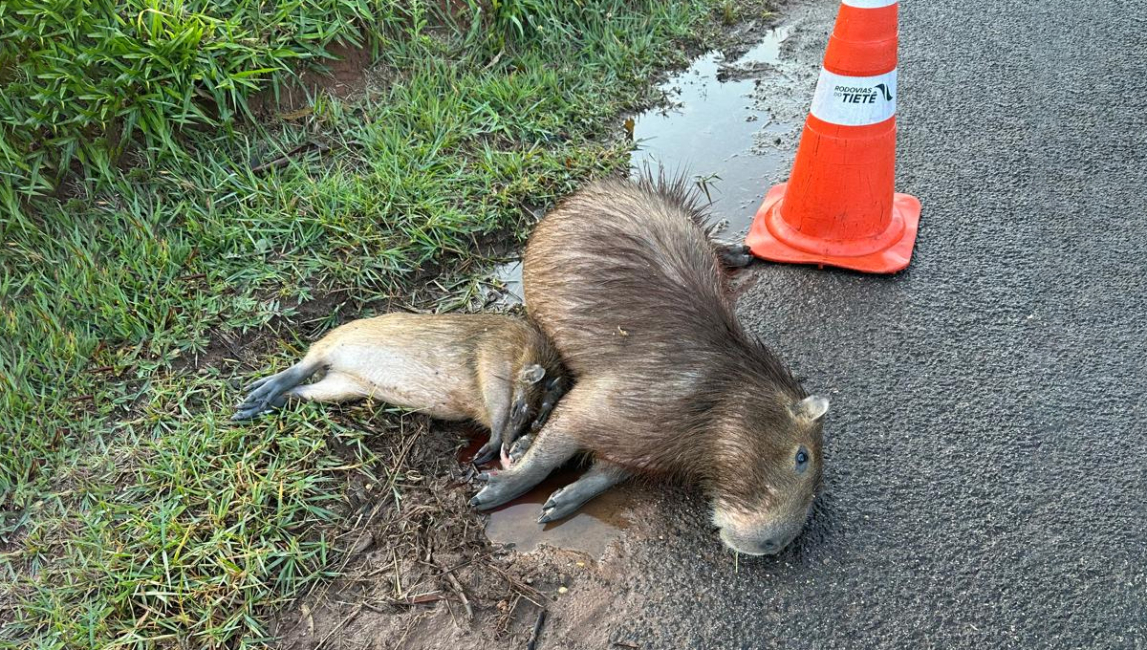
(811,408)
(532,373)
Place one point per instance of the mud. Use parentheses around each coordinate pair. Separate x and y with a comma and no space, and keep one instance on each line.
(589,532)
(342,75)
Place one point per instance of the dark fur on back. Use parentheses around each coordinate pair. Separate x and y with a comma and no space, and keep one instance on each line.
(623,279)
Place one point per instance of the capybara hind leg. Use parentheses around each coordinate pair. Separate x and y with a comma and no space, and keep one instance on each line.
(733,256)
(335,387)
(497,396)
(550,449)
(270,392)
(566,501)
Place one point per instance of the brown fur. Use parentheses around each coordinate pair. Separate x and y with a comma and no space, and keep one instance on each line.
(624,280)
(482,367)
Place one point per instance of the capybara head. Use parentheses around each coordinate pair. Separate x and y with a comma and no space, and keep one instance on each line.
(539,367)
(528,388)
(768,468)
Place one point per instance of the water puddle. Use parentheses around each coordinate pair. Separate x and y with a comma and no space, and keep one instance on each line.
(720,131)
(588,531)
(509,276)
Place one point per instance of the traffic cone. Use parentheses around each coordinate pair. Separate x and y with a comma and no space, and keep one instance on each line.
(839,207)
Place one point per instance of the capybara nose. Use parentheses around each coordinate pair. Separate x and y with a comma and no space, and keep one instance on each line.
(757,542)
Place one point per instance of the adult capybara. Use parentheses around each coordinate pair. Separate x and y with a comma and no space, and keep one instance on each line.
(624,280)
(496,370)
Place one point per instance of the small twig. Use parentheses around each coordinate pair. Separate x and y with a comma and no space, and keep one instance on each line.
(420,599)
(461,594)
(533,643)
(494,61)
(285,159)
(523,589)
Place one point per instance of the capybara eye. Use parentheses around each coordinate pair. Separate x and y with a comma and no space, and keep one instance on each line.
(802,459)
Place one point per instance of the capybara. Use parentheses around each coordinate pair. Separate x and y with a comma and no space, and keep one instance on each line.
(497,370)
(623,279)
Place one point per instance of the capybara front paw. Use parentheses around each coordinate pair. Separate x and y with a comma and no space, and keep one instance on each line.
(487,453)
(500,488)
(560,505)
(516,451)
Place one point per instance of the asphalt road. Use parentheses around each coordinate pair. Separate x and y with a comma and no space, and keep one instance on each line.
(986,463)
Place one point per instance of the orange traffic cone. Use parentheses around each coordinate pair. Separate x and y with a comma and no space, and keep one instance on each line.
(839,207)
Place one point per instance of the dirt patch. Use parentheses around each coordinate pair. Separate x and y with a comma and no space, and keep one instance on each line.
(343,75)
(418,569)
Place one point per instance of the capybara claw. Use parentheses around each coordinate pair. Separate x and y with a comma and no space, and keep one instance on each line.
(517,451)
(553,500)
(560,505)
(500,488)
(486,453)
(486,499)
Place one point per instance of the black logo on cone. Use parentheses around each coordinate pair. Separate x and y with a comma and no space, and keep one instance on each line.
(885,91)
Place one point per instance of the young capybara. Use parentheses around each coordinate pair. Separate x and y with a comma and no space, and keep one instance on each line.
(625,282)
(496,370)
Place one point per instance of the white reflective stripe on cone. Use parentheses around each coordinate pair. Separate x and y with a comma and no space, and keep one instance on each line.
(854,101)
(869,4)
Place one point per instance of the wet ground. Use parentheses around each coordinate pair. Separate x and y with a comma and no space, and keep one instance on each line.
(720,127)
(589,531)
(986,463)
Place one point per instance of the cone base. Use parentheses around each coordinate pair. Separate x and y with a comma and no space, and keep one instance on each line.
(767,243)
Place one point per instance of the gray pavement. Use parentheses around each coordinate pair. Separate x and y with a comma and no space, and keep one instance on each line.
(986,466)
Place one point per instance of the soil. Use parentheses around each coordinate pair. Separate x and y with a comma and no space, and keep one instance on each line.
(421,572)
(345,75)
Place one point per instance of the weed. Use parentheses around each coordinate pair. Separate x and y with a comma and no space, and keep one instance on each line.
(134,513)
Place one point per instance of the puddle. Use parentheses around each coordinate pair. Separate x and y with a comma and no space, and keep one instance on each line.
(510,275)
(588,531)
(719,130)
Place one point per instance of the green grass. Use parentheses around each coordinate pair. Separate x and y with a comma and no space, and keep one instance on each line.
(83,79)
(134,513)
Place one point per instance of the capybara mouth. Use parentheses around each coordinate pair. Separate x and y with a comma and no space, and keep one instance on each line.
(755,548)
